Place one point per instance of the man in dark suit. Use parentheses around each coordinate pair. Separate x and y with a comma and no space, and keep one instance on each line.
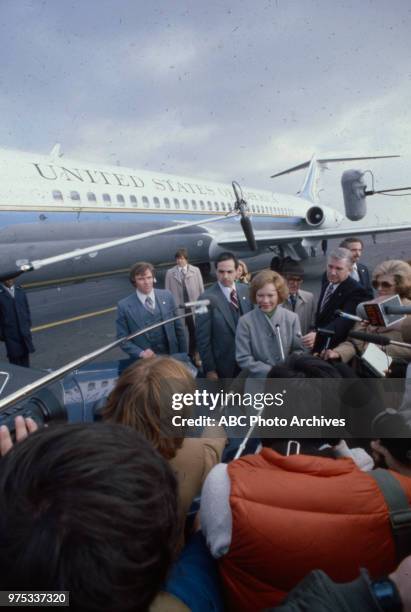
(147,306)
(215,330)
(359,271)
(15,323)
(339,292)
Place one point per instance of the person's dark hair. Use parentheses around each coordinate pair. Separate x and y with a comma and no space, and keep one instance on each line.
(292,268)
(345,244)
(390,423)
(142,399)
(138,269)
(90,509)
(304,366)
(181,253)
(226,256)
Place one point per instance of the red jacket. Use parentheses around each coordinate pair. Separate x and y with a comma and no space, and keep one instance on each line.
(295,514)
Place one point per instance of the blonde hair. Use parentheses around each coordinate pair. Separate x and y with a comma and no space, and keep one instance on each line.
(142,399)
(245,276)
(400,270)
(264,278)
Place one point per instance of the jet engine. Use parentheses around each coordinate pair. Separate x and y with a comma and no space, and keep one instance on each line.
(322,216)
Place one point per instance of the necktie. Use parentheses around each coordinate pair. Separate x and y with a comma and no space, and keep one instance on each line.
(183,282)
(149,304)
(234,299)
(354,273)
(293,301)
(327,295)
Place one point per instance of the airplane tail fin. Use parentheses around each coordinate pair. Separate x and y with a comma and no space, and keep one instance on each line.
(309,187)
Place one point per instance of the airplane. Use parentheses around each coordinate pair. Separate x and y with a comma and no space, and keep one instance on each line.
(51,205)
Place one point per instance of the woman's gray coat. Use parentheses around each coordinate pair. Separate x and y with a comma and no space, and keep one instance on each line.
(256,342)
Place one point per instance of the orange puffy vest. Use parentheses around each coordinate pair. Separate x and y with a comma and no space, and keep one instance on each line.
(298,513)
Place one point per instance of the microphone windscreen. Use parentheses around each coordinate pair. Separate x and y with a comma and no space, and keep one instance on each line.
(373,338)
(248,232)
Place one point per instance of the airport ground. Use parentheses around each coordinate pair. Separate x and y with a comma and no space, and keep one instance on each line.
(72,320)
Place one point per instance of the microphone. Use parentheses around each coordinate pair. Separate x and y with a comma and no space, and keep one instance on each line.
(280,342)
(346,315)
(328,333)
(397,310)
(200,306)
(376,339)
(242,208)
(373,338)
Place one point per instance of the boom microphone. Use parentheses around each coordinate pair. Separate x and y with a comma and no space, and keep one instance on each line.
(248,232)
(242,207)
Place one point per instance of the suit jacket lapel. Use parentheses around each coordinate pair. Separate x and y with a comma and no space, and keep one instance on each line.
(135,310)
(242,292)
(224,307)
(334,300)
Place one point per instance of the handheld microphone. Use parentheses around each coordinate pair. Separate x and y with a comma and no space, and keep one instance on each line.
(373,338)
(346,315)
(328,333)
(200,306)
(377,339)
(280,342)
(397,310)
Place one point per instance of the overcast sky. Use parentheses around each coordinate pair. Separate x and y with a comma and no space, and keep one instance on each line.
(226,90)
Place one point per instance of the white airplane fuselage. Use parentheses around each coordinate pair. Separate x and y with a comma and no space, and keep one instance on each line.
(50,205)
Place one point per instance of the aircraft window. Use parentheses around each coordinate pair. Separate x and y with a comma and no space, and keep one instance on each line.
(202,205)
(146,202)
(74,195)
(194,204)
(216,205)
(167,202)
(156,202)
(185,204)
(57,195)
(133,200)
(120,199)
(222,205)
(106,198)
(258,208)
(209,205)
(91,197)
(253,208)
(176,203)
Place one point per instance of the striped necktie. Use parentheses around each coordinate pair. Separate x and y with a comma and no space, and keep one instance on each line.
(234,299)
(327,295)
(149,304)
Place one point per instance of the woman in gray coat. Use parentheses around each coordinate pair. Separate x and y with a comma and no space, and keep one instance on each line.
(268,334)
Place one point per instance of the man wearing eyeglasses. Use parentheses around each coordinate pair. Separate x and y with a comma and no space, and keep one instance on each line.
(359,272)
(299,301)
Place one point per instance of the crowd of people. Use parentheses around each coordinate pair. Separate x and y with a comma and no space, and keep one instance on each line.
(134,513)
